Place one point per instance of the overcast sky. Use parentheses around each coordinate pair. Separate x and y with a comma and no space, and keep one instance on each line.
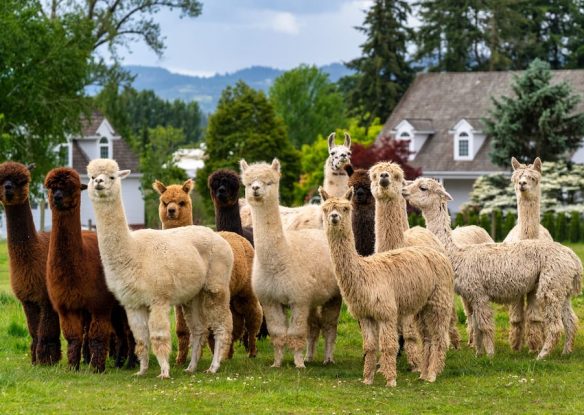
(235,34)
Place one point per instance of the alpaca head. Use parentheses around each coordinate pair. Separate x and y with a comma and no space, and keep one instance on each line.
(175,208)
(224,188)
(336,211)
(64,185)
(261,181)
(426,194)
(14,182)
(105,180)
(339,155)
(526,179)
(361,184)
(387,180)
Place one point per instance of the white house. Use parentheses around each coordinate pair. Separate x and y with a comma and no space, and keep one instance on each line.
(441,117)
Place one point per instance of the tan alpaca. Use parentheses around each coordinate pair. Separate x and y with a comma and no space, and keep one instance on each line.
(292,268)
(175,209)
(150,270)
(504,273)
(384,288)
(528,317)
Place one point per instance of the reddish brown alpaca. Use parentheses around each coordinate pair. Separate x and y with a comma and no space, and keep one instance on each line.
(175,210)
(75,279)
(27,251)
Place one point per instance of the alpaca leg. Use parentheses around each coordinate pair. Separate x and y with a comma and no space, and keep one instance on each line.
(277,327)
(297,332)
(183,335)
(453,330)
(72,325)
(32,312)
(570,321)
(159,328)
(370,333)
(469,321)
(314,324)
(238,329)
(85,353)
(484,328)
(412,346)
(48,350)
(553,327)
(388,346)
(534,323)
(219,319)
(121,343)
(195,320)
(330,320)
(99,335)
(138,321)
(253,321)
(436,328)
(517,321)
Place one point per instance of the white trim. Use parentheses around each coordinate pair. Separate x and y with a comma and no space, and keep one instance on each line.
(461,174)
(109,147)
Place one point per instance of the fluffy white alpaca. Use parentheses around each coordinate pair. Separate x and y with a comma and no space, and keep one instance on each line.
(292,268)
(504,273)
(151,270)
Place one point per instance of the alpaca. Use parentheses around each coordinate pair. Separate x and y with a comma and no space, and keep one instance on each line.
(292,268)
(504,273)
(151,270)
(363,204)
(75,280)
(382,289)
(526,180)
(27,251)
(175,210)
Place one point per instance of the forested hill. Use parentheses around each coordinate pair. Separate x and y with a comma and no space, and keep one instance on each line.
(207,90)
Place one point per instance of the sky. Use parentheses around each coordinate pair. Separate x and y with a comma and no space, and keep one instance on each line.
(236,34)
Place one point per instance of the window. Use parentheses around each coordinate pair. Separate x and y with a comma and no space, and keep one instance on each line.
(103,148)
(463,145)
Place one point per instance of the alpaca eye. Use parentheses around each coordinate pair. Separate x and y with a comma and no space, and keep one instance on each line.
(165,204)
(181,204)
(92,177)
(112,178)
(423,189)
(333,153)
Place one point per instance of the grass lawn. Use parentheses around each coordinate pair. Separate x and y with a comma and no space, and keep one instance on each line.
(511,383)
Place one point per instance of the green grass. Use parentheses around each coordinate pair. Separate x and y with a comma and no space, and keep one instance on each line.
(510,383)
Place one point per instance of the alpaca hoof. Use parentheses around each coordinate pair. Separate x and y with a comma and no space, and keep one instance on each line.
(140,373)
(391,383)
(212,369)
(300,366)
(368,381)
(328,362)
(429,378)
(276,365)
(190,370)
(163,376)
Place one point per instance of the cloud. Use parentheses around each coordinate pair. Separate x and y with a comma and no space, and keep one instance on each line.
(271,20)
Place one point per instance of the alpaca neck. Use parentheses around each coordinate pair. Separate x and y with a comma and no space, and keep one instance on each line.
(113,233)
(227,219)
(344,256)
(528,212)
(170,224)
(389,224)
(336,182)
(65,243)
(269,238)
(363,221)
(20,225)
(438,222)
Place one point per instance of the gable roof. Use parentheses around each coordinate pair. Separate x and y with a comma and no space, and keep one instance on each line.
(445,98)
(90,124)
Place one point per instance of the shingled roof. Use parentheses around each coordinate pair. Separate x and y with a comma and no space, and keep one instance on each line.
(446,98)
(89,125)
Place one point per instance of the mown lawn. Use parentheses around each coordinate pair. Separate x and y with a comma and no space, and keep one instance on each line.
(510,383)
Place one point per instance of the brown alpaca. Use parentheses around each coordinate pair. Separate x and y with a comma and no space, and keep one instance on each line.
(75,279)
(384,288)
(27,251)
(363,219)
(175,210)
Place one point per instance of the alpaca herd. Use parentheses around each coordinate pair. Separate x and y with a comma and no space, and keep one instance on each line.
(292,266)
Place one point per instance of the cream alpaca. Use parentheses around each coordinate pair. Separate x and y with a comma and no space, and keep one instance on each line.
(291,268)
(386,287)
(504,273)
(527,183)
(151,270)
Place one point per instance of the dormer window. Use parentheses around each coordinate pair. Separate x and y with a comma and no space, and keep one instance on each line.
(463,145)
(415,131)
(468,139)
(104,148)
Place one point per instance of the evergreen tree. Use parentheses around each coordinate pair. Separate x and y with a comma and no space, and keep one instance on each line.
(497,231)
(538,122)
(575,227)
(561,227)
(458,220)
(549,223)
(485,222)
(383,72)
(510,220)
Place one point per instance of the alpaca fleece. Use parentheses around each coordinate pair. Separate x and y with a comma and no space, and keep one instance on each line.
(386,287)
(175,209)
(363,219)
(75,279)
(27,253)
(151,270)
(291,268)
(504,273)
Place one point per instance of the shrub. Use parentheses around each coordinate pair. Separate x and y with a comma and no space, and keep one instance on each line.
(549,223)
(485,223)
(574,231)
(458,220)
(510,220)
(497,225)
(561,227)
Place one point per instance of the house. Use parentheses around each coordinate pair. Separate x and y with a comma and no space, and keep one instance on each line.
(441,117)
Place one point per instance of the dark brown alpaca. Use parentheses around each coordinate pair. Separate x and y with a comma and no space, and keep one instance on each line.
(363,210)
(75,279)
(27,251)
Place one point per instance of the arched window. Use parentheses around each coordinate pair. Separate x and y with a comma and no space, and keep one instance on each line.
(463,144)
(104,148)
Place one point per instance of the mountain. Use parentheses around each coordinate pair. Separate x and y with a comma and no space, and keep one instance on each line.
(207,90)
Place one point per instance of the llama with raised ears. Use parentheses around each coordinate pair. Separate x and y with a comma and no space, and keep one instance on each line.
(150,271)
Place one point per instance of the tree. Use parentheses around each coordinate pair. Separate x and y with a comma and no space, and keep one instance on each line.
(538,122)
(308,103)
(383,71)
(245,125)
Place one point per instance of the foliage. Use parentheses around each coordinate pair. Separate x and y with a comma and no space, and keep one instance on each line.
(540,119)
(549,223)
(561,227)
(308,103)
(245,125)
(575,227)
(497,225)
(384,149)
(510,220)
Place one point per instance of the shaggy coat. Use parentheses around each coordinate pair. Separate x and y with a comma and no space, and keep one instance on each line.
(291,269)
(526,315)
(27,253)
(175,210)
(363,204)
(75,279)
(504,273)
(151,270)
(382,289)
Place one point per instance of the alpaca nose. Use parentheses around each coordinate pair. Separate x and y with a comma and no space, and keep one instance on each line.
(335,218)
(171,211)
(255,187)
(360,192)
(8,186)
(58,195)
(384,175)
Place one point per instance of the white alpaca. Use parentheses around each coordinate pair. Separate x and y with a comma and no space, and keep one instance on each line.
(151,270)
(384,288)
(291,269)
(504,273)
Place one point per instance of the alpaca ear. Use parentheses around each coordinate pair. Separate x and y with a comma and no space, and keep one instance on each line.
(349,194)
(349,169)
(323,194)
(188,186)
(537,164)
(331,140)
(243,165)
(515,163)
(122,174)
(445,194)
(407,183)
(83,186)
(347,140)
(276,165)
(31,166)
(159,187)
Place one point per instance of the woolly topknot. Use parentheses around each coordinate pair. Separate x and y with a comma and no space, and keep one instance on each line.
(16,172)
(392,168)
(224,186)
(102,166)
(62,177)
(262,171)
(360,182)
